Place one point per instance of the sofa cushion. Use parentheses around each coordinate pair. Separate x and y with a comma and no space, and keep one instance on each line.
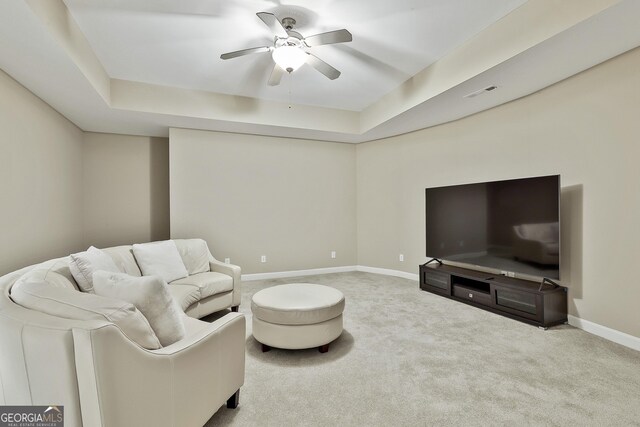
(83,265)
(185,295)
(124,259)
(209,283)
(71,304)
(160,259)
(193,326)
(195,254)
(60,266)
(45,275)
(151,296)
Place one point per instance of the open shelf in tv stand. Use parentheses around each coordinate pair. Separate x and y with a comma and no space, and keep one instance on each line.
(531,302)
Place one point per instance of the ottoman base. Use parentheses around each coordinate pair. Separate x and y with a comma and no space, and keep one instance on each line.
(321,349)
(295,337)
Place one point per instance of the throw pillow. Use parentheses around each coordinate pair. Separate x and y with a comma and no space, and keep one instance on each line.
(44,275)
(160,259)
(150,295)
(194,254)
(83,264)
(71,304)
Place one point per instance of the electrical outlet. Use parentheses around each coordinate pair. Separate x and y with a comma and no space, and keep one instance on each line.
(263,258)
(401,257)
(227,260)
(333,254)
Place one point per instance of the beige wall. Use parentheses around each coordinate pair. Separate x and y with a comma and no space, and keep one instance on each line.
(63,189)
(585,128)
(292,200)
(40,179)
(126,189)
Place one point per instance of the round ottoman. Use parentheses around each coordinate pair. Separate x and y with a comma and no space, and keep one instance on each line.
(297,315)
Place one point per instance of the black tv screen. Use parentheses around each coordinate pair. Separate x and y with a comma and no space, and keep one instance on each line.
(510,226)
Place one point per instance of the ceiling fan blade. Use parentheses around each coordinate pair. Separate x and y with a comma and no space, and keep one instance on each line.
(337,36)
(322,66)
(243,52)
(276,75)
(273,23)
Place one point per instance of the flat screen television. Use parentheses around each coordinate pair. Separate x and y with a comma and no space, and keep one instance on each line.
(510,226)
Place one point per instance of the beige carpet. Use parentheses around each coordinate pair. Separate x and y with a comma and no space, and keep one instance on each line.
(408,357)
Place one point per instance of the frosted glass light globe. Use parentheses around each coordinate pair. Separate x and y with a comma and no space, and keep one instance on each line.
(289,58)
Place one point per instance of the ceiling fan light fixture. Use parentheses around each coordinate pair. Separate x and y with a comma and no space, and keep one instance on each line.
(289,58)
(290,49)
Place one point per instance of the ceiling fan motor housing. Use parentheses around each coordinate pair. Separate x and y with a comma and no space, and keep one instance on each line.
(288,23)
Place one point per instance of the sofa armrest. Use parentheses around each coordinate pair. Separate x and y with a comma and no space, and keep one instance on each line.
(185,344)
(182,384)
(231,270)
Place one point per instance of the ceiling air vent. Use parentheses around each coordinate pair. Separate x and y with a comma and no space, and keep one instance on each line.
(480,91)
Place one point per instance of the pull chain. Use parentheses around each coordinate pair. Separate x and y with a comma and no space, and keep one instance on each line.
(289,82)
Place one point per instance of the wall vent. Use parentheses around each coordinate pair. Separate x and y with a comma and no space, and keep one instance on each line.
(480,91)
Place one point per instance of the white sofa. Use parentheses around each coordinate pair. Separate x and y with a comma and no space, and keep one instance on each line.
(102,377)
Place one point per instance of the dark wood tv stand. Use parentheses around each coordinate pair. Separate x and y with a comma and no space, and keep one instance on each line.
(523,300)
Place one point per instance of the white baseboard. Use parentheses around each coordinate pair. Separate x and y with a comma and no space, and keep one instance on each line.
(296,273)
(388,272)
(605,332)
(327,270)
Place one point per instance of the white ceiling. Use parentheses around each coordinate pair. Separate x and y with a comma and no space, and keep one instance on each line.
(179,43)
(143,66)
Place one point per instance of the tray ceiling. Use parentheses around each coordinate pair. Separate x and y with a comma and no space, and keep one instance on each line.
(178,43)
(143,66)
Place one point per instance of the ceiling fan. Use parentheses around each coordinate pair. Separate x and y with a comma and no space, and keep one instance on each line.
(290,49)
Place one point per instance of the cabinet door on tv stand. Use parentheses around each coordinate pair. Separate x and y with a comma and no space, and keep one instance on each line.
(524,304)
(435,281)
